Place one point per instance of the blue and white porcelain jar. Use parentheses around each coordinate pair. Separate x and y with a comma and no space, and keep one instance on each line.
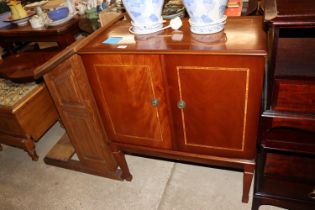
(206,16)
(145,15)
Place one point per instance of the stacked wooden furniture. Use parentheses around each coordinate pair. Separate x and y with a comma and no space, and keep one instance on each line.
(62,34)
(26,113)
(175,95)
(26,108)
(285,171)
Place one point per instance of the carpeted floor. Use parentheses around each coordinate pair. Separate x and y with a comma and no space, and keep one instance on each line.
(157,185)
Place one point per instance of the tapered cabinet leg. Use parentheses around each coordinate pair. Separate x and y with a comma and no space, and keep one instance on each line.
(30,148)
(121,160)
(247,180)
(255,204)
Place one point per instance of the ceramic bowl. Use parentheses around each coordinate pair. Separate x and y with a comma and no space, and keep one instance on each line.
(58,13)
(20,21)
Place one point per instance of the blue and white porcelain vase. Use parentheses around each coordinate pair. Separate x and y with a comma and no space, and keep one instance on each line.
(206,16)
(145,15)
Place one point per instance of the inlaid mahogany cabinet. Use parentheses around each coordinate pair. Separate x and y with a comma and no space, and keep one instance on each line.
(285,174)
(171,94)
(179,95)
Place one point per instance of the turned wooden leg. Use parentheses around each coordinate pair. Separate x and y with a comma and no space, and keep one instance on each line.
(247,180)
(30,148)
(121,160)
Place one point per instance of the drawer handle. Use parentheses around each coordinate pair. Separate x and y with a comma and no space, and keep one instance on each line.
(311,195)
(181,104)
(155,102)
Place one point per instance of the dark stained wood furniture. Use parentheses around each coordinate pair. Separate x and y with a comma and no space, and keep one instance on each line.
(30,117)
(62,34)
(19,67)
(27,120)
(175,95)
(285,171)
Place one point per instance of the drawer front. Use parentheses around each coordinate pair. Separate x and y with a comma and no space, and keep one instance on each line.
(295,96)
(9,124)
(288,189)
(301,168)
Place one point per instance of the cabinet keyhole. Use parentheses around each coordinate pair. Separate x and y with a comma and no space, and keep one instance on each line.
(155,102)
(181,104)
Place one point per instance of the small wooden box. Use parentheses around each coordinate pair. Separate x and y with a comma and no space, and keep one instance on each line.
(27,119)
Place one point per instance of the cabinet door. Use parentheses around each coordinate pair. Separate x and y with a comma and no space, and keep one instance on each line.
(215,102)
(130,94)
(69,88)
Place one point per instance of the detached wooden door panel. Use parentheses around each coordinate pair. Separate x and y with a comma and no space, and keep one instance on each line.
(129,91)
(215,104)
(69,87)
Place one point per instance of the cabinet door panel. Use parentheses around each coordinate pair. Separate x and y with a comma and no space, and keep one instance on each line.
(221,110)
(69,88)
(125,86)
(215,99)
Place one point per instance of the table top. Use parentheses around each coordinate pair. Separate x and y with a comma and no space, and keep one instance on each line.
(241,35)
(27,30)
(19,67)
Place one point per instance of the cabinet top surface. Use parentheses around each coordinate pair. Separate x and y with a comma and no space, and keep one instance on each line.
(241,35)
(286,12)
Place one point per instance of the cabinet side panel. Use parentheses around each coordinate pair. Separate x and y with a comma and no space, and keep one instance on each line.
(69,87)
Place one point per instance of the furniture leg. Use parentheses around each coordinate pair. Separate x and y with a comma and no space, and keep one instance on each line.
(30,148)
(61,123)
(247,180)
(65,40)
(256,203)
(121,160)
(0,147)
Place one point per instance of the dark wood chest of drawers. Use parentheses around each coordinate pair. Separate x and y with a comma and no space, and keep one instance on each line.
(285,171)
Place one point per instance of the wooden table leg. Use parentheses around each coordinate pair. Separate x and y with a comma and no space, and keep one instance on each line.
(121,160)
(0,147)
(30,148)
(256,203)
(247,180)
